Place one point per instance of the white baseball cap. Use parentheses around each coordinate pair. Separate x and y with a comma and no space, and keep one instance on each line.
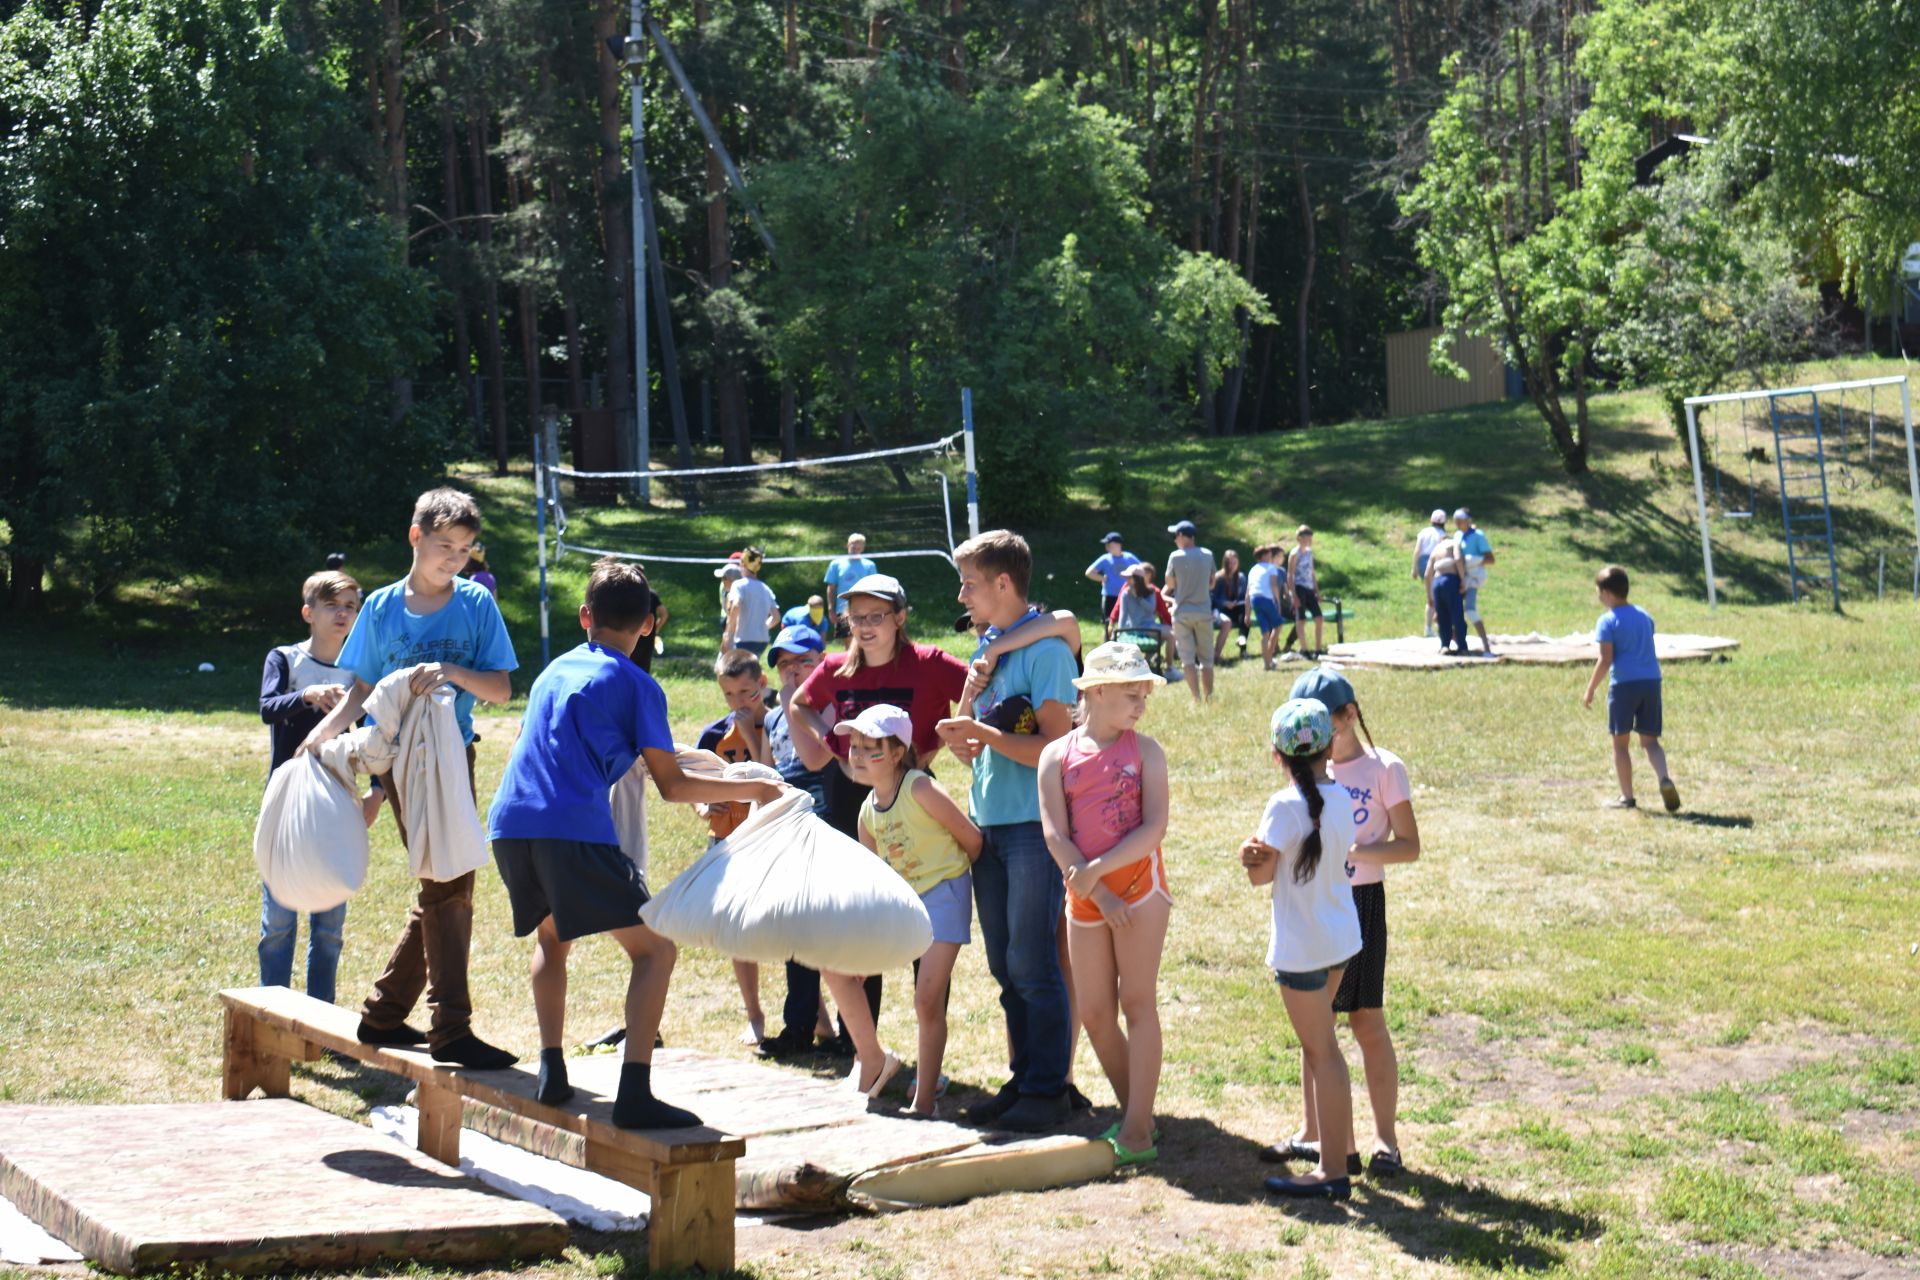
(882,720)
(1439,516)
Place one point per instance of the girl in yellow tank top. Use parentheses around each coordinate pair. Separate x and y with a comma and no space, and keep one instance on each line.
(923,835)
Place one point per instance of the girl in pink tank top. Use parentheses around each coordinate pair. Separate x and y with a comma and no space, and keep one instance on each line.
(1103,809)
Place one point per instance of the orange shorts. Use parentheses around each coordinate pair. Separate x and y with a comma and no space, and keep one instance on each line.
(1129,884)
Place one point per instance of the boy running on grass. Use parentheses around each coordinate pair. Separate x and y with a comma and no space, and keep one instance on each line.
(1627,662)
(590,716)
(446,630)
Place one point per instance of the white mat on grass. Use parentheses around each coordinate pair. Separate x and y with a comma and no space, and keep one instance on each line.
(582,1198)
(24,1243)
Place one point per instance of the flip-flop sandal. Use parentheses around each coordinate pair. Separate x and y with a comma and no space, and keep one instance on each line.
(1123,1157)
(1385,1164)
(1113,1132)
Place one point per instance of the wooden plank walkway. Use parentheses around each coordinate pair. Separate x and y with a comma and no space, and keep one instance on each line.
(271,1186)
(1422,653)
(807,1139)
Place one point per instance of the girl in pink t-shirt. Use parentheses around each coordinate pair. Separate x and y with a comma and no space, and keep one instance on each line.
(1384,832)
(1103,809)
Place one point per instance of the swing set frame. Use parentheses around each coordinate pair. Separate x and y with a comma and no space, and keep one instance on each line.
(1771,395)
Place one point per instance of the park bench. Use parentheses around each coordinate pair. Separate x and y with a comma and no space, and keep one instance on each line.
(688,1173)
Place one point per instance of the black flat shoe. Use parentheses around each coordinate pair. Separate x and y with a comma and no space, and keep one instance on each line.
(1283,1152)
(1331,1189)
(1077,1100)
(402,1036)
(1385,1164)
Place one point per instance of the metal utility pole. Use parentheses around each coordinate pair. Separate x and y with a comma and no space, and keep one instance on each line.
(643,423)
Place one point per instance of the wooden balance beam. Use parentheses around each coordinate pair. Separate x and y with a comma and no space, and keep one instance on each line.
(688,1173)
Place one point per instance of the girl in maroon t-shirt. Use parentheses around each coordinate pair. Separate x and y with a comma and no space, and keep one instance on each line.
(881,665)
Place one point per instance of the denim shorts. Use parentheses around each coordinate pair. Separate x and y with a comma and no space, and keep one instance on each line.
(1308,979)
(949,905)
(1266,611)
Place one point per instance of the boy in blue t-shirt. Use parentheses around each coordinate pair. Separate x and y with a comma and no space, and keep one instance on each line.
(590,716)
(1016,883)
(1627,660)
(445,629)
(1110,571)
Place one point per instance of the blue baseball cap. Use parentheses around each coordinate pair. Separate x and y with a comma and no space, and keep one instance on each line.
(797,639)
(1329,688)
(1113,537)
(1186,527)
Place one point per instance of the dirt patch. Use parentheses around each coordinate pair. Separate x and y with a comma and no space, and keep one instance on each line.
(1823,1264)
(1545,1072)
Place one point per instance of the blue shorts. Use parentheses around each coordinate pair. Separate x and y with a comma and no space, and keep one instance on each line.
(1420,566)
(1308,979)
(949,905)
(754,647)
(1633,706)
(1266,612)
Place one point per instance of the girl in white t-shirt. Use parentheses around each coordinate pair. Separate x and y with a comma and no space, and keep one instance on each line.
(1385,832)
(1315,930)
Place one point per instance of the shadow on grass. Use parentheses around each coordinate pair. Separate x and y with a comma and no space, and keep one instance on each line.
(1438,1219)
(1723,821)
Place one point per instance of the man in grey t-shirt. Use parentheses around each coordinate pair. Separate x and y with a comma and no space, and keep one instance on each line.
(1189,580)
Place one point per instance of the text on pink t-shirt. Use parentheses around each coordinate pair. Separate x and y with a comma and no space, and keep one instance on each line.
(1377,781)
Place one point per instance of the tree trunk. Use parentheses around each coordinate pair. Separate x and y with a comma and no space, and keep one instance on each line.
(528,311)
(24,592)
(789,422)
(730,383)
(481,164)
(1303,374)
(576,368)
(956,49)
(616,234)
(455,238)
(392,66)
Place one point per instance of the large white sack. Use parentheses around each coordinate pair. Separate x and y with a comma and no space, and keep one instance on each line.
(311,841)
(786,886)
(416,739)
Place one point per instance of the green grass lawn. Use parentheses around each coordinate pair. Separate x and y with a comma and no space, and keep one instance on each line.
(1631,1045)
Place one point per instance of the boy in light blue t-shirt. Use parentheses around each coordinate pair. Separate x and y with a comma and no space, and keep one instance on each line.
(845,571)
(446,630)
(1016,883)
(1632,670)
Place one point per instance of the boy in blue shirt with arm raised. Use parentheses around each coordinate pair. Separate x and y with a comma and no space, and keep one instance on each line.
(590,716)
(1632,671)
(1016,884)
(446,630)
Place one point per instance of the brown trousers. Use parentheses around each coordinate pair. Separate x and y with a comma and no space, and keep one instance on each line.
(431,955)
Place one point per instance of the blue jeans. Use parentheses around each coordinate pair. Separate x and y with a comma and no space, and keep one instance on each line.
(325,931)
(1020,897)
(1450,611)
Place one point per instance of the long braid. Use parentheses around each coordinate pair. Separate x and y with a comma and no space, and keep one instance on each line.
(1363,727)
(1301,767)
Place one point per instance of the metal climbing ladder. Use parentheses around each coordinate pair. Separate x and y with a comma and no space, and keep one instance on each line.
(1799,451)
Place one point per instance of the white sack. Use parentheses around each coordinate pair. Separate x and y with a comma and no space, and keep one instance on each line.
(786,886)
(311,840)
(628,799)
(417,739)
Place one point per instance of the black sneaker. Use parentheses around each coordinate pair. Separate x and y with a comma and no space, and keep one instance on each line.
(841,1046)
(1034,1114)
(472,1052)
(988,1110)
(402,1036)
(1622,802)
(784,1048)
(1077,1100)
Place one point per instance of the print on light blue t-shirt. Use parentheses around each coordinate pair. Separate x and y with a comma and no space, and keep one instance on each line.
(466,631)
(1629,629)
(1003,790)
